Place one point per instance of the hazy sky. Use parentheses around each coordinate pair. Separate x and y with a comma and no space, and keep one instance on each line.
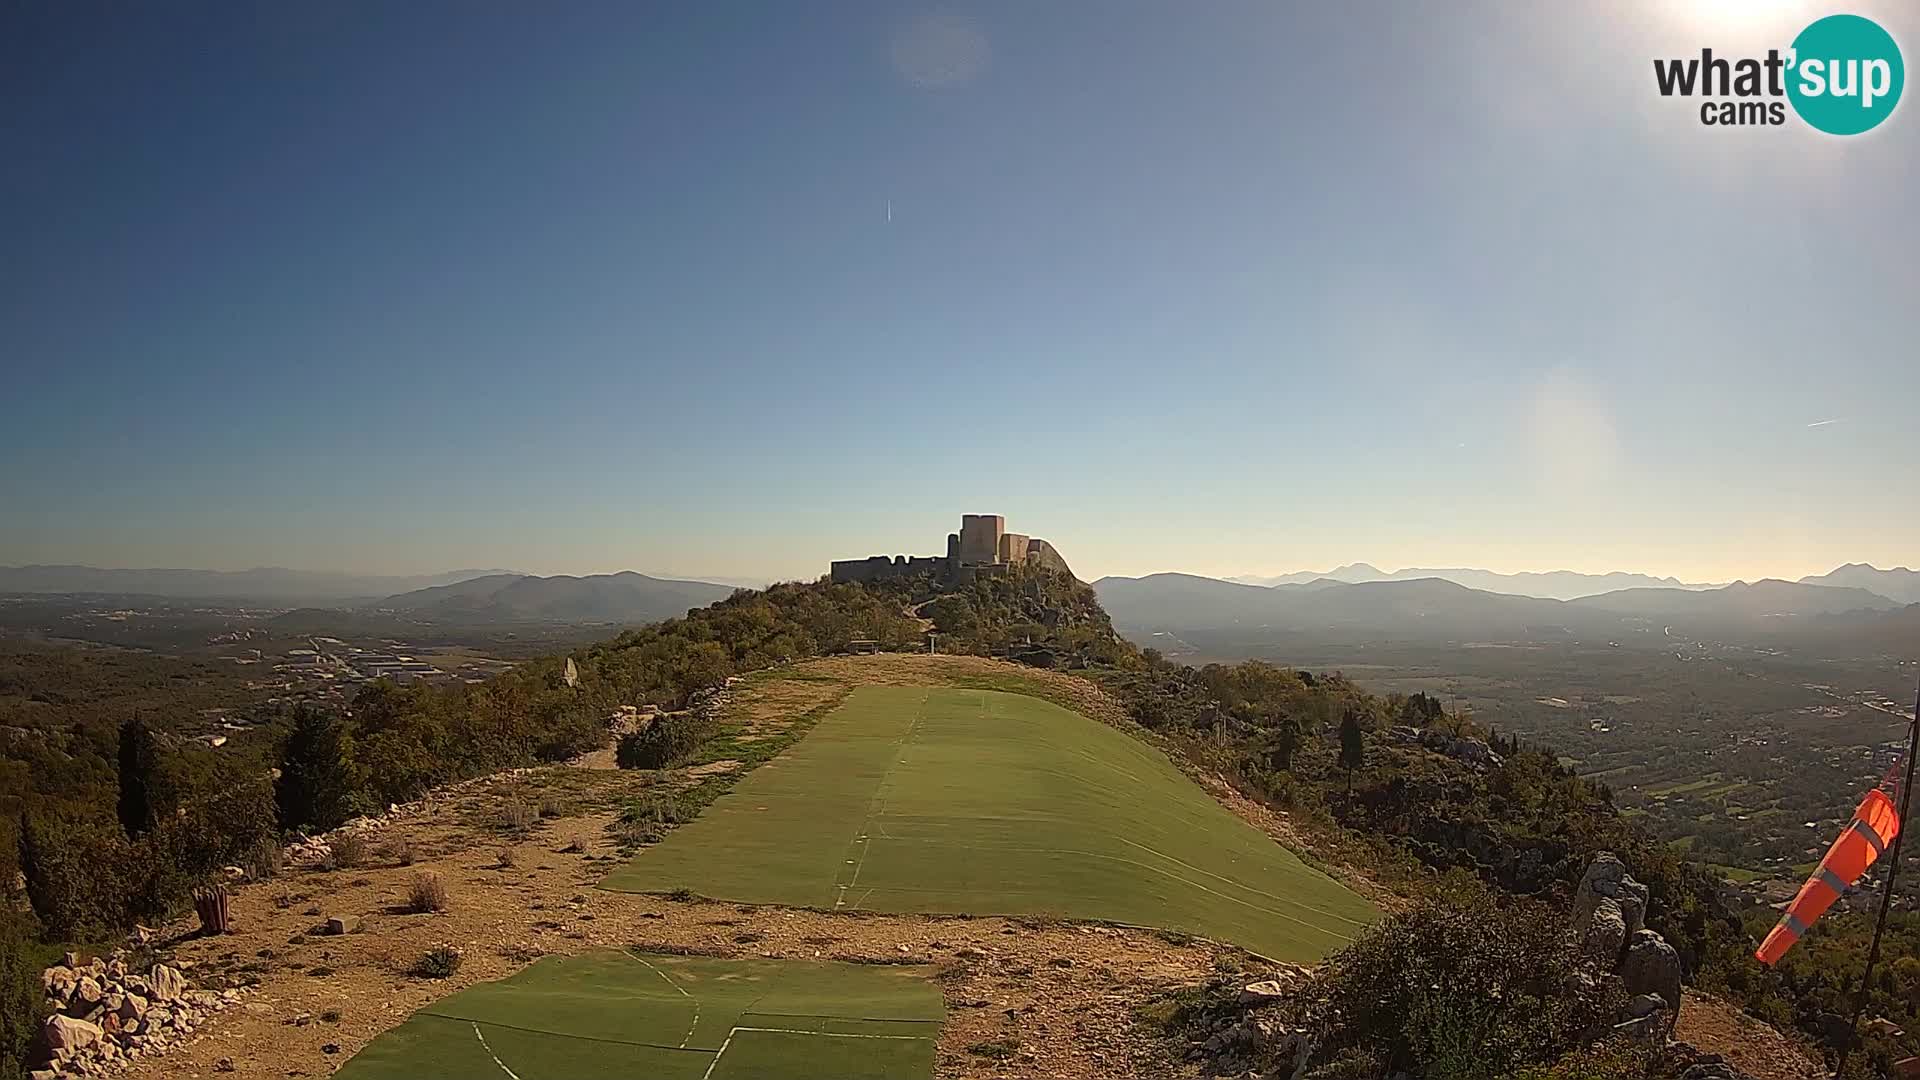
(735,289)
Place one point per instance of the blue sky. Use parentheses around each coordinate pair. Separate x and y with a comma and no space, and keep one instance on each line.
(1226,288)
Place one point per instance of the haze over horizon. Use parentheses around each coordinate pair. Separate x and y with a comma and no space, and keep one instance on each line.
(427,286)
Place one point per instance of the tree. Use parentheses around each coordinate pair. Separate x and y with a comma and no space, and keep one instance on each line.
(21,994)
(139,777)
(1353,746)
(318,776)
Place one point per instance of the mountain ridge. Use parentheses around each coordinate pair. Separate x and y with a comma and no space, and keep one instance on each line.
(627,596)
(1896,583)
(1543,584)
(260,583)
(1427,607)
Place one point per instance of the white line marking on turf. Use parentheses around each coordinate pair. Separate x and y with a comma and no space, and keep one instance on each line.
(839,1034)
(491,1054)
(728,1041)
(876,807)
(683,993)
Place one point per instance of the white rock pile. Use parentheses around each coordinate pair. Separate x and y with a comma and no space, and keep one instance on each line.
(105,1015)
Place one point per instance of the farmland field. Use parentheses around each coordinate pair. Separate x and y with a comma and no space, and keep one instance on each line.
(670,1018)
(940,800)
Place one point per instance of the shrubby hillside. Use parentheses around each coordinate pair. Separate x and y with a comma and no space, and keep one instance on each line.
(1396,790)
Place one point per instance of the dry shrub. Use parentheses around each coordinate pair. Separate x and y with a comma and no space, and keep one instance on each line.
(346,851)
(427,893)
(516,815)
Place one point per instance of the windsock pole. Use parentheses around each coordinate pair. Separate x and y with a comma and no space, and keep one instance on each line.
(1886,894)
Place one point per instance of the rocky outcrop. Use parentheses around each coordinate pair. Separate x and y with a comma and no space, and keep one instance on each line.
(1248,1031)
(1609,922)
(1652,967)
(1609,908)
(105,1016)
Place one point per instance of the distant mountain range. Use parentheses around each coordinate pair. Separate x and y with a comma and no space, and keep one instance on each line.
(270,586)
(1436,608)
(1550,585)
(600,598)
(1898,583)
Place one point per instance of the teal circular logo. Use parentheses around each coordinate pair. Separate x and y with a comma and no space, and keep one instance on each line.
(1846,74)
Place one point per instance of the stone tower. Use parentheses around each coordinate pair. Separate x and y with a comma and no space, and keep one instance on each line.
(980,538)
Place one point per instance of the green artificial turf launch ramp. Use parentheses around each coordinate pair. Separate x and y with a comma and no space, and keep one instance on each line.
(637,1016)
(914,799)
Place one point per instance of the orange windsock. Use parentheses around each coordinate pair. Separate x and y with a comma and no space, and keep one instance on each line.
(1873,827)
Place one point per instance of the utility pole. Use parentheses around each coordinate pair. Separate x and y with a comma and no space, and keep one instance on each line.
(1886,895)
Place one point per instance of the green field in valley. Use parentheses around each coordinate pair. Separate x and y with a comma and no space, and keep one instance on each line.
(915,799)
(626,1014)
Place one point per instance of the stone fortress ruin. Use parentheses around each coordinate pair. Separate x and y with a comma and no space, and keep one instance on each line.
(982,546)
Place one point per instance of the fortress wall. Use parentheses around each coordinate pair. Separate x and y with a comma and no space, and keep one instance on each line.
(1042,554)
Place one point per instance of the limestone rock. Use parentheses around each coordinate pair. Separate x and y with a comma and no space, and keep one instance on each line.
(59,980)
(66,1033)
(1606,932)
(1652,967)
(1649,1029)
(343,924)
(87,992)
(168,984)
(1645,1005)
(1263,992)
(1607,879)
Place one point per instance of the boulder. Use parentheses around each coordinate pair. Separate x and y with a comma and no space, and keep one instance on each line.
(1606,933)
(1652,967)
(87,992)
(1650,1029)
(66,1033)
(1645,1005)
(343,924)
(167,983)
(1262,993)
(132,1007)
(1607,879)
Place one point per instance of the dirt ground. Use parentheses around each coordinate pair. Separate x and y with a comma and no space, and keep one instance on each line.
(1062,997)
(1064,994)
(1713,1025)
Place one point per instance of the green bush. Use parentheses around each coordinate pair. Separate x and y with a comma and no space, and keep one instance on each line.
(439,962)
(669,740)
(319,779)
(629,751)
(21,997)
(1455,992)
(78,874)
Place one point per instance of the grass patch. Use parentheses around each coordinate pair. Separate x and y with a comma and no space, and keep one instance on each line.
(943,800)
(671,1017)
